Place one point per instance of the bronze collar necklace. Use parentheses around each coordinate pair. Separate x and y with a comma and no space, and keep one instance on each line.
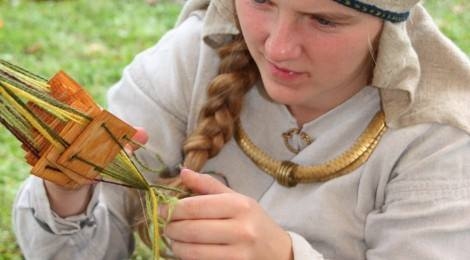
(290,174)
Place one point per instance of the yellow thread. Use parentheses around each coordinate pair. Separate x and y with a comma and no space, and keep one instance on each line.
(34,121)
(59,113)
(38,84)
(156,233)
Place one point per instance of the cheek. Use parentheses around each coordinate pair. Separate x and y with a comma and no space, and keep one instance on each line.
(253,24)
(340,53)
(358,53)
(357,45)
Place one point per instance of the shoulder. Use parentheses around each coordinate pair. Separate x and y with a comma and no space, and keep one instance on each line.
(172,72)
(434,142)
(178,50)
(433,163)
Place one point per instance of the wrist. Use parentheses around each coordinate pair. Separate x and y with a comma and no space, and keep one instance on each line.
(68,202)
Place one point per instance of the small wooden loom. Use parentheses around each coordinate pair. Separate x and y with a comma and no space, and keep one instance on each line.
(91,147)
(68,139)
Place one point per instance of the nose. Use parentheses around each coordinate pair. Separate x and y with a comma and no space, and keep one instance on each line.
(283,42)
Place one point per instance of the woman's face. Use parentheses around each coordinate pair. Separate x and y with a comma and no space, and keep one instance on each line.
(312,54)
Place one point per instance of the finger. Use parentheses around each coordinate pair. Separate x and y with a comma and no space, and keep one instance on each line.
(202,183)
(203,231)
(214,206)
(140,137)
(202,251)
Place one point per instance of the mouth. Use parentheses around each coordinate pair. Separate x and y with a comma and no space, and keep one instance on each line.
(282,73)
(282,69)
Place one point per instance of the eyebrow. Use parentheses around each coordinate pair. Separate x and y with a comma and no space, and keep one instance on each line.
(331,16)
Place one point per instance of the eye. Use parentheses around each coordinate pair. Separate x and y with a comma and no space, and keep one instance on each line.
(324,22)
(261,1)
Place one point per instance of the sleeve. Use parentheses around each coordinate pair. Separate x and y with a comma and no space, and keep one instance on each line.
(156,92)
(101,232)
(426,213)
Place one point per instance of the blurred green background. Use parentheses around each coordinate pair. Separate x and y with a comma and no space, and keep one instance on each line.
(92,40)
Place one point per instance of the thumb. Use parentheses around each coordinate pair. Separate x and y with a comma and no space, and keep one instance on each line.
(202,184)
(141,136)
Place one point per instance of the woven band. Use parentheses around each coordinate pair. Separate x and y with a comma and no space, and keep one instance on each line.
(394,17)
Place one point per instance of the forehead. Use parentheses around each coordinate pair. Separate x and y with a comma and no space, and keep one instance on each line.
(314,6)
(326,8)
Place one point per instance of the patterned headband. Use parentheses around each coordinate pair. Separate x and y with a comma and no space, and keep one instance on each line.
(391,10)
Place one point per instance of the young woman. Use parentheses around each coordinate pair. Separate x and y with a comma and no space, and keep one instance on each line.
(341,127)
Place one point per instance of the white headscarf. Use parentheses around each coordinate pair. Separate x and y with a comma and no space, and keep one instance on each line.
(422,76)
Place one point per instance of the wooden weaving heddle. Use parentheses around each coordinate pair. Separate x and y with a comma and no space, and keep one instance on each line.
(78,149)
(92,146)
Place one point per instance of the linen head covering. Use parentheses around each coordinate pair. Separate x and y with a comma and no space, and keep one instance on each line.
(422,76)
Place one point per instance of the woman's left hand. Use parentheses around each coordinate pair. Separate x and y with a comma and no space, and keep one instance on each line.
(222,224)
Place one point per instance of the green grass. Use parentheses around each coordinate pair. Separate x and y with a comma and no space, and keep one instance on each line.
(93,41)
(453,18)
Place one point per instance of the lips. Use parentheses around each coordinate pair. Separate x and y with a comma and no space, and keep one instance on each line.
(286,70)
(283,74)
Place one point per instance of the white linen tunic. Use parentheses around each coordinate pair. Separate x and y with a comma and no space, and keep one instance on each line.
(410,200)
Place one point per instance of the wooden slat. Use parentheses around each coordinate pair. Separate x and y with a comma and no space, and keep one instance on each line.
(95,146)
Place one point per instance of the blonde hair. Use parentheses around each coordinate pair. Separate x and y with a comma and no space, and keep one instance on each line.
(237,74)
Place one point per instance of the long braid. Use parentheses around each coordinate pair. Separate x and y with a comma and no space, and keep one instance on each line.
(237,74)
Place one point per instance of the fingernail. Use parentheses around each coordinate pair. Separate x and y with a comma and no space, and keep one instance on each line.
(128,150)
(186,171)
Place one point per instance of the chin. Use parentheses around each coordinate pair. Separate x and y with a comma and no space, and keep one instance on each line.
(283,97)
(284,91)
